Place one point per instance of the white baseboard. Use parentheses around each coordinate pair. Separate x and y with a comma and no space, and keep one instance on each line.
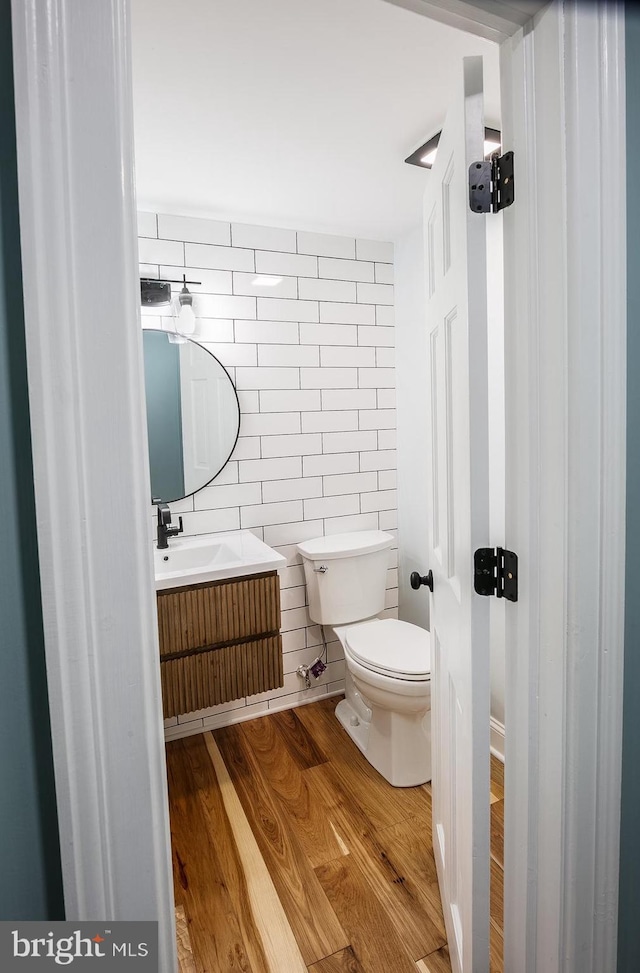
(497,739)
(180,730)
(282,704)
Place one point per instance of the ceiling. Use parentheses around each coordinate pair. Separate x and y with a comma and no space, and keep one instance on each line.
(293,113)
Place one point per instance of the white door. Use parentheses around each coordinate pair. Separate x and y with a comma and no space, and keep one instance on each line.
(457,328)
(204,403)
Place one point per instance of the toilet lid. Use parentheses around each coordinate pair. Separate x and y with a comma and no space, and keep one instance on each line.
(391,647)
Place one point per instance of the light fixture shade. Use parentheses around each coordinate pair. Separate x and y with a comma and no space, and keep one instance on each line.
(425,156)
(186,323)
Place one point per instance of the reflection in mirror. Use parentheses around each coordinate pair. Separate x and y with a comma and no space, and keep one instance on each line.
(193,415)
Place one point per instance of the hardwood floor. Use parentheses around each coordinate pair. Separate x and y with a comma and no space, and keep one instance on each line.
(291,854)
(496,902)
(185,953)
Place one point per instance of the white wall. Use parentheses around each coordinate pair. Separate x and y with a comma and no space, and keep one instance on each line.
(313,361)
(412,370)
(412,373)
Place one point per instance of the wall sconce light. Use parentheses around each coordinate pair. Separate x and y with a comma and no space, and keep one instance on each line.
(186,323)
(157,293)
(425,156)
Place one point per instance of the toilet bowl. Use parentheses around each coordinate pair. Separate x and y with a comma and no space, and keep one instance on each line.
(387,705)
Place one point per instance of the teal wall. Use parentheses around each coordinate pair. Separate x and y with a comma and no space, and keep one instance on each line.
(164,415)
(629,905)
(30,882)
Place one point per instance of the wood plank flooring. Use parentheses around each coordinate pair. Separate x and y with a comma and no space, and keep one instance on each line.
(291,854)
(185,953)
(496,902)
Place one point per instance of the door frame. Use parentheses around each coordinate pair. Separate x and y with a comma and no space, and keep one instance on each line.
(74,126)
(75,164)
(565,360)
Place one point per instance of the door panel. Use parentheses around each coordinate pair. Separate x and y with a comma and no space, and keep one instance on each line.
(457,322)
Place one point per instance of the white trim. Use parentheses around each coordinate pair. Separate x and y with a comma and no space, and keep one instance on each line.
(497,739)
(75,164)
(596,248)
(494,20)
(565,258)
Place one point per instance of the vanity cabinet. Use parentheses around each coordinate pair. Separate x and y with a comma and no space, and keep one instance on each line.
(219,641)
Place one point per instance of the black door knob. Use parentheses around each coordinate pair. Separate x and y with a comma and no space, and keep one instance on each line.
(417,579)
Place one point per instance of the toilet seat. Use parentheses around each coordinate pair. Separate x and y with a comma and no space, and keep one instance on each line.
(391,648)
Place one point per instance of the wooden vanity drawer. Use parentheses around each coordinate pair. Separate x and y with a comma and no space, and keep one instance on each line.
(219,641)
(222,611)
(204,679)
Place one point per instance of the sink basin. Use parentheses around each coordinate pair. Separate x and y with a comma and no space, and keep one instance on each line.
(213,557)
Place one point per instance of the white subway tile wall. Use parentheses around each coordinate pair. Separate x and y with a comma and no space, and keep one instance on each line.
(312,358)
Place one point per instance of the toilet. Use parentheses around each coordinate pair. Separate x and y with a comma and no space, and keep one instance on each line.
(387,705)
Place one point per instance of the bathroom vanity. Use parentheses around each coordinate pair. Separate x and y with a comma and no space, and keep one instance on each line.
(218,620)
(218,595)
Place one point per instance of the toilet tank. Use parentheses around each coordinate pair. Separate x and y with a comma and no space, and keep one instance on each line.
(346,575)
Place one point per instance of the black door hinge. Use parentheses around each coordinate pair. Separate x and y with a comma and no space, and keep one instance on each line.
(491,185)
(495,571)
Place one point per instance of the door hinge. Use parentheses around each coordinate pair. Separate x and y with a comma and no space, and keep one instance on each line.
(491,185)
(495,572)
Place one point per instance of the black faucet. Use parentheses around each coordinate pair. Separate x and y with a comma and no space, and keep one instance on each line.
(165,530)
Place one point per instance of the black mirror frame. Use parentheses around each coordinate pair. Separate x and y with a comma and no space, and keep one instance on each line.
(235,441)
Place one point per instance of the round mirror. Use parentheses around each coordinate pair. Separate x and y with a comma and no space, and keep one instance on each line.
(193,415)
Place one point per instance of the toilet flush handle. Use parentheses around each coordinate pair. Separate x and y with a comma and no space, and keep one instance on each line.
(322,569)
(417,580)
